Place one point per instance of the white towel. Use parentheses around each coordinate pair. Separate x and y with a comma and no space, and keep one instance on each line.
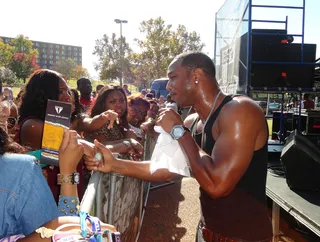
(168,154)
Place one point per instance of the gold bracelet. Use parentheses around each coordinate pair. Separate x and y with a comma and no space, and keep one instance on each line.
(73,178)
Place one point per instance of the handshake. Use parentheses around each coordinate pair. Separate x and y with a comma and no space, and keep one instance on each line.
(97,156)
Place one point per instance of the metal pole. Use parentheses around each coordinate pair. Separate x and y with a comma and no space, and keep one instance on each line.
(303,23)
(90,194)
(268,101)
(249,47)
(121,71)
(215,41)
(112,188)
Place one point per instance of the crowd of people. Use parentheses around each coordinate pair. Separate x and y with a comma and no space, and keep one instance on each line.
(111,116)
(224,140)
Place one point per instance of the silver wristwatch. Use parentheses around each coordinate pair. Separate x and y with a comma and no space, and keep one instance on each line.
(178,131)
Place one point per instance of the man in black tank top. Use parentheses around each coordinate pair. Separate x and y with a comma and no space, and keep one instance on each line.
(226,149)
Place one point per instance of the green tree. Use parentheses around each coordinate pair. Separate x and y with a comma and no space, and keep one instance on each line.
(23,65)
(79,71)
(22,44)
(182,41)
(6,53)
(159,46)
(107,50)
(65,67)
(7,76)
(23,60)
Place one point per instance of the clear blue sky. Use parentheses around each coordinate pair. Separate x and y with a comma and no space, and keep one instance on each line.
(82,22)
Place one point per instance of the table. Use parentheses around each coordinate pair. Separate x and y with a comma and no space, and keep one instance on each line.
(303,206)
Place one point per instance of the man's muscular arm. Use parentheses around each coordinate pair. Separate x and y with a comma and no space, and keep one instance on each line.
(239,126)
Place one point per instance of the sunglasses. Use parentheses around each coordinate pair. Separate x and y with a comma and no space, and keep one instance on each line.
(11,122)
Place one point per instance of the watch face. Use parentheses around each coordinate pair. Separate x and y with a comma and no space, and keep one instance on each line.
(76,178)
(178,132)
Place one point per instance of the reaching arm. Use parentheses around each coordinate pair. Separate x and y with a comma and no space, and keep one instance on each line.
(98,121)
(137,169)
(141,170)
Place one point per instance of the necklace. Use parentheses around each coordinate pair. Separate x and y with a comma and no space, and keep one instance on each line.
(205,123)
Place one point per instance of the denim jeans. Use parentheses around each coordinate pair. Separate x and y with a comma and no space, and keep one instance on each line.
(25,198)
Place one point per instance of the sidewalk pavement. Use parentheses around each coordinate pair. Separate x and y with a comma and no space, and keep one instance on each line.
(173,212)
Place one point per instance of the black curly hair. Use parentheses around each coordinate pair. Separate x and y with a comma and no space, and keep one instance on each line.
(78,112)
(7,145)
(43,85)
(99,106)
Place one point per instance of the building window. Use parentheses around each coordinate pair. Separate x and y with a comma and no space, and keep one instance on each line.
(57,57)
(69,47)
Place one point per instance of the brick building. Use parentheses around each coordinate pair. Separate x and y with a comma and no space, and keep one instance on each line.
(50,53)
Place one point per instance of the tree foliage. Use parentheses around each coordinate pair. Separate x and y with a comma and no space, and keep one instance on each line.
(78,72)
(158,46)
(108,51)
(7,76)
(65,67)
(19,56)
(23,65)
(23,45)
(6,53)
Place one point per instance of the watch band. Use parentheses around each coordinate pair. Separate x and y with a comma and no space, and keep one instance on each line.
(68,178)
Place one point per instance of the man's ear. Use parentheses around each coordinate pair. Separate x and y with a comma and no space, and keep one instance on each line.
(197,75)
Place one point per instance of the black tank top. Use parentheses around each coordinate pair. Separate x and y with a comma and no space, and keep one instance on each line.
(242,214)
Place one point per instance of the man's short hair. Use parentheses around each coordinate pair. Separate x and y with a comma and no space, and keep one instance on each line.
(193,60)
(82,79)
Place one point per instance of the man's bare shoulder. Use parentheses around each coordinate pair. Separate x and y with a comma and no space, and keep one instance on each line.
(190,119)
(243,108)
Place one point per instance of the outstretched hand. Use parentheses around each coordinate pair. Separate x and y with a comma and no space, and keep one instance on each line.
(70,152)
(111,116)
(108,160)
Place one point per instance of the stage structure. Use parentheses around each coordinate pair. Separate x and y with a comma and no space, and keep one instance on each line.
(260,55)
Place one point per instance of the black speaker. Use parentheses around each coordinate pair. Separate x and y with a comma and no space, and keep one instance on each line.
(301,161)
(272,49)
